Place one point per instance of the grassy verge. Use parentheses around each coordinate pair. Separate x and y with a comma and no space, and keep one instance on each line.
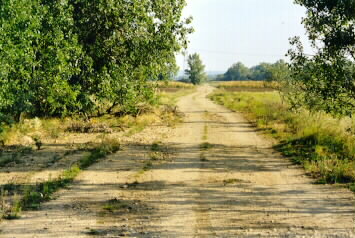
(172,98)
(173,85)
(325,146)
(34,195)
(257,86)
(18,143)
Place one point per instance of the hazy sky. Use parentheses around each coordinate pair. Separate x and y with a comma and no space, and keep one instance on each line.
(250,31)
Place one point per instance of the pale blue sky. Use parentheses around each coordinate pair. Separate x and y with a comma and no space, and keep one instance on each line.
(250,31)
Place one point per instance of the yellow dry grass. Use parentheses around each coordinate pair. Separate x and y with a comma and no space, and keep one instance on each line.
(248,84)
(173,84)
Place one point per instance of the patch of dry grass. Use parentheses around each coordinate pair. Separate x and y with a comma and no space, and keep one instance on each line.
(173,84)
(248,85)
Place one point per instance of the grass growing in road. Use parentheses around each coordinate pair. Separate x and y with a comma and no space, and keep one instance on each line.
(206,146)
(34,195)
(203,157)
(325,146)
(205,133)
(115,204)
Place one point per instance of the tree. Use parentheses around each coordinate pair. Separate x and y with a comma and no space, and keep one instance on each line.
(196,71)
(278,71)
(325,81)
(65,57)
(261,72)
(238,72)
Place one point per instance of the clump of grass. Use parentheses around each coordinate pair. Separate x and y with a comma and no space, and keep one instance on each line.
(158,156)
(9,211)
(36,194)
(231,181)
(322,144)
(147,165)
(106,147)
(205,133)
(203,158)
(93,232)
(206,146)
(116,204)
(156,146)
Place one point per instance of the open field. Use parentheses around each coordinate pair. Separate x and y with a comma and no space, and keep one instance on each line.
(172,86)
(250,86)
(325,146)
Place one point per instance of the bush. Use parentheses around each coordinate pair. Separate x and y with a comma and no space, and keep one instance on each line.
(78,57)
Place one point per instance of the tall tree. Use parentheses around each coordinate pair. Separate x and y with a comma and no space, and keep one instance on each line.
(238,72)
(260,72)
(64,57)
(325,81)
(196,71)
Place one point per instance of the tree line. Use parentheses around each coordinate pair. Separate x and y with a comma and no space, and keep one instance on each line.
(79,57)
(261,72)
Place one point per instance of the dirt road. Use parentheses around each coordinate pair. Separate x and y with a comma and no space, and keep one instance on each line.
(212,176)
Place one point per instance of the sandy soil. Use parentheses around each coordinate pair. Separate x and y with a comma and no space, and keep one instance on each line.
(234,186)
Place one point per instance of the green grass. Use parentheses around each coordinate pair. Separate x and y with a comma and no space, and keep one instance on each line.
(231,181)
(325,146)
(34,195)
(156,147)
(206,146)
(10,212)
(115,204)
(205,133)
(147,165)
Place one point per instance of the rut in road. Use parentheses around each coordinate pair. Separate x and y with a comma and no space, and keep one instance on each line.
(219,179)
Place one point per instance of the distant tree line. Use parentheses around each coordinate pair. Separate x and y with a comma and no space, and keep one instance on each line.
(261,72)
(70,57)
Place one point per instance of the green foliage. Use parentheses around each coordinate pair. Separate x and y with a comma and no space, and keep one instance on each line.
(261,72)
(206,146)
(66,57)
(325,81)
(238,72)
(196,71)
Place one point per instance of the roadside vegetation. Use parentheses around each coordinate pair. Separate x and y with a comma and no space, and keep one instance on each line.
(312,113)
(248,85)
(68,145)
(324,145)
